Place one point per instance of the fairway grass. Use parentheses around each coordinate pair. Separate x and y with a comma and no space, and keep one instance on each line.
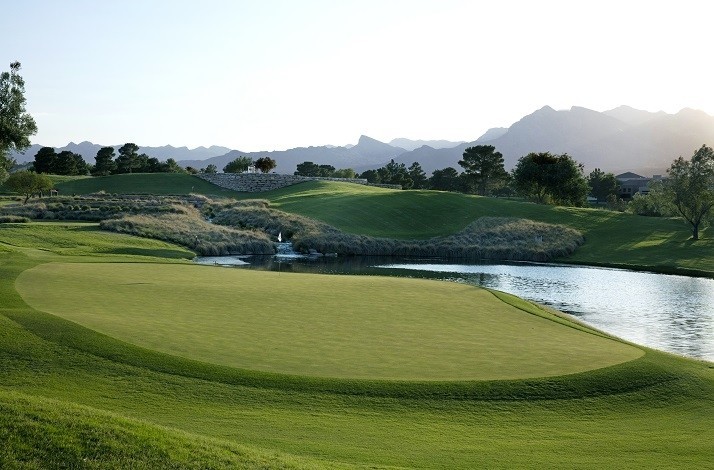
(316,325)
(71,397)
(81,238)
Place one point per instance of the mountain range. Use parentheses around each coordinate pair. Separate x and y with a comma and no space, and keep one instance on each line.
(88,151)
(617,140)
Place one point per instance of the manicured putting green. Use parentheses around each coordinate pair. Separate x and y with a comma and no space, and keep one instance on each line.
(328,326)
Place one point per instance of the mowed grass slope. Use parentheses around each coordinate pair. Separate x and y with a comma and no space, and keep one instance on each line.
(82,238)
(143,183)
(71,397)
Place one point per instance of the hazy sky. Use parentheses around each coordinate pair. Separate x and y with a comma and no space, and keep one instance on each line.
(265,75)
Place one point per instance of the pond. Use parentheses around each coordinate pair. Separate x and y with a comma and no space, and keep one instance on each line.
(666,312)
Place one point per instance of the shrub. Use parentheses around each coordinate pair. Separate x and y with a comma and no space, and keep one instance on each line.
(13,219)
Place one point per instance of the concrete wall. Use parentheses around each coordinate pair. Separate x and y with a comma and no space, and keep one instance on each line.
(258,182)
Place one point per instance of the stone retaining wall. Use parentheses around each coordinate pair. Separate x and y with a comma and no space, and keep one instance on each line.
(259,182)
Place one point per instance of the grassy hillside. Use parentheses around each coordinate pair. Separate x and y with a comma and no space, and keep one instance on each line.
(74,397)
(610,237)
(143,183)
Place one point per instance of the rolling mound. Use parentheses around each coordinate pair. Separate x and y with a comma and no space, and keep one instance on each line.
(318,326)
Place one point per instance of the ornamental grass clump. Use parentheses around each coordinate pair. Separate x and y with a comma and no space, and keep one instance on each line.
(97,207)
(13,219)
(256,214)
(192,232)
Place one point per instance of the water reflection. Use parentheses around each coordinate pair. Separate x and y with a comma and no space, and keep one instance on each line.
(671,313)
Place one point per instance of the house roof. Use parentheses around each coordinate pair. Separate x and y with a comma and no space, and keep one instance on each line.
(629,176)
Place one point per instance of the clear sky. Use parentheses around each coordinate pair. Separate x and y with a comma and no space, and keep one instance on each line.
(271,75)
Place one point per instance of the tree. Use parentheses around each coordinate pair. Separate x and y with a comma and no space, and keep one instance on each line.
(418,177)
(239,165)
(209,170)
(543,177)
(313,169)
(325,170)
(602,185)
(307,169)
(6,164)
(28,183)
(143,164)
(69,163)
(105,164)
(656,203)
(570,188)
(446,179)
(395,173)
(128,159)
(265,164)
(171,166)
(484,167)
(344,173)
(372,176)
(16,124)
(45,160)
(63,163)
(690,187)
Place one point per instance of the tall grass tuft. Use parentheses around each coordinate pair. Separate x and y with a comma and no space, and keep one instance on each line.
(194,233)
(101,206)
(13,219)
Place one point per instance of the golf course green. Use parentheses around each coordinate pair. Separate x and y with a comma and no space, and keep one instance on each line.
(117,352)
(317,325)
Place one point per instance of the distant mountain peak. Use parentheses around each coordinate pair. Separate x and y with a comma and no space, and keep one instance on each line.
(411,144)
(366,140)
(546,109)
(370,145)
(492,133)
(632,116)
(691,112)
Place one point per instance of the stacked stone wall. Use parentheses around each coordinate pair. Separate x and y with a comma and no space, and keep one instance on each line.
(259,182)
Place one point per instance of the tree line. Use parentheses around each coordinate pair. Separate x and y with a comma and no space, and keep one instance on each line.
(129,160)
(540,177)
(243,163)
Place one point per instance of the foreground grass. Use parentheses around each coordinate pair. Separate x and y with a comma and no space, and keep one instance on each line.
(45,433)
(71,397)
